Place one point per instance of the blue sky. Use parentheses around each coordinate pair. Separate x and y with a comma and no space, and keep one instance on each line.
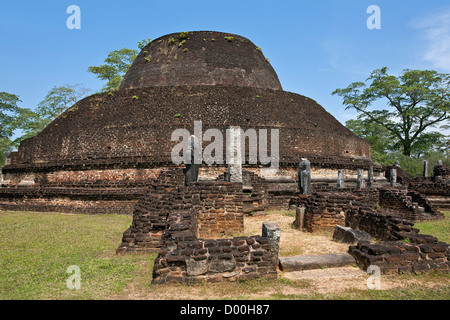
(315,46)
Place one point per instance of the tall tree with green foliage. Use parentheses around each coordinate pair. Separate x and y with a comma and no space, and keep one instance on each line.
(18,124)
(116,65)
(379,137)
(415,102)
(9,111)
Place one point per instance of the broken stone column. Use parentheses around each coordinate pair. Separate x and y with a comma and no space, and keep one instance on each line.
(360,183)
(272,232)
(425,168)
(340,179)
(191,170)
(234,156)
(439,163)
(370,176)
(393,177)
(304,176)
(299,217)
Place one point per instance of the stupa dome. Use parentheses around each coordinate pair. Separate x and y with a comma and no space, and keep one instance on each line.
(201,58)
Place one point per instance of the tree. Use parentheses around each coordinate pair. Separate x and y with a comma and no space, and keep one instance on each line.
(116,65)
(8,113)
(18,124)
(417,101)
(379,137)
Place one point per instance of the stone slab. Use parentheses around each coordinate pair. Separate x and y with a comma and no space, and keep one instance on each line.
(349,235)
(332,260)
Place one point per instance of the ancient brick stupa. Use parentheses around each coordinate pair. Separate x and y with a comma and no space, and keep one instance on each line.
(101,154)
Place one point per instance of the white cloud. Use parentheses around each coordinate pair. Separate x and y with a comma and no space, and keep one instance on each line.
(435,30)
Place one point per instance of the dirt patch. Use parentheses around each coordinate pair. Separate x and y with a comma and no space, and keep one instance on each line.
(293,241)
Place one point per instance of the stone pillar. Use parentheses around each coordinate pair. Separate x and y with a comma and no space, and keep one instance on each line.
(191,170)
(299,217)
(437,179)
(7,158)
(370,176)
(304,176)
(425,168)
(272,231)
(393,177)
(360,183)
(234,156)
(340,179)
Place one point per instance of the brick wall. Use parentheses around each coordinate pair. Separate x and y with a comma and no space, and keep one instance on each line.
(217,206)
(169,221)
(407,205)
(417,256)
(400,246)
(85,191)
(325,210)
(378,223)
(184,258)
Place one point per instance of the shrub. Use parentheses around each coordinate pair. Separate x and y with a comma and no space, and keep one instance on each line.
(184,35)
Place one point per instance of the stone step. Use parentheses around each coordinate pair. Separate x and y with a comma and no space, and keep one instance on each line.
(332,260)
(325,275)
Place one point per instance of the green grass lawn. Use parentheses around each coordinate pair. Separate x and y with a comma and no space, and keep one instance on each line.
(37,249)
(439,228)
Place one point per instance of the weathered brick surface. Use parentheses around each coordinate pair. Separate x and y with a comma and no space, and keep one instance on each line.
(214,260)
(378,223)
(216,206)
(407,205)
(401,257)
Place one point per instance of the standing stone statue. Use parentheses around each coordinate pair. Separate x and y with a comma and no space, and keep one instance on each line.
(360,183)
(304,176)
(340,179)
(439,163)
(234,156)
(425,168)
(393,177)
(191,170)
